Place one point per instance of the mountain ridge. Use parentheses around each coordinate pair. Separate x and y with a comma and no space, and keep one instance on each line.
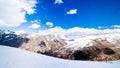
(66,47)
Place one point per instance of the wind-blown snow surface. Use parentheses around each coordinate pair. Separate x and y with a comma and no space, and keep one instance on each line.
(16,58)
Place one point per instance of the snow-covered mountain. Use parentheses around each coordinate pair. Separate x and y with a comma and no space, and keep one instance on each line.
(93,47)
(113,38)
(10,38)
(43,43)
(17,58)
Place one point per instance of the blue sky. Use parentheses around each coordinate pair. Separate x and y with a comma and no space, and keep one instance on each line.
(66,14)
(90,13)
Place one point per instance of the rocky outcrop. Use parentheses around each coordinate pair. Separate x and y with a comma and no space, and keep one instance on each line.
(45,44)
(100,51)
(63,53)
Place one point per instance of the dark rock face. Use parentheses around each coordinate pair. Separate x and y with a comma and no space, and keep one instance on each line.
(95,53)
(42,43)
(86,53)
(55,40)
(92,50)
(108,51)
(81,55)
(62,53)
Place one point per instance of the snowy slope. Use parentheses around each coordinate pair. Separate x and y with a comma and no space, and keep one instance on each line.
(16,58)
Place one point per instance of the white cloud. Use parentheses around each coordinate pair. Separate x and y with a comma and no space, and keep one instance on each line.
(35,21)
(12,12)
(20,32)
(58,2)
(78,31)
(116,26)
(72,11)
(55,30)
(100,27)
(34,26)
(50,24)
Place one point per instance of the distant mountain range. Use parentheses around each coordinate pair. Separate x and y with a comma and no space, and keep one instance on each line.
(105,47)
(9,38)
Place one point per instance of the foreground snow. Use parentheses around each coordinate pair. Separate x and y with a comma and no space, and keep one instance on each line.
(16,58)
